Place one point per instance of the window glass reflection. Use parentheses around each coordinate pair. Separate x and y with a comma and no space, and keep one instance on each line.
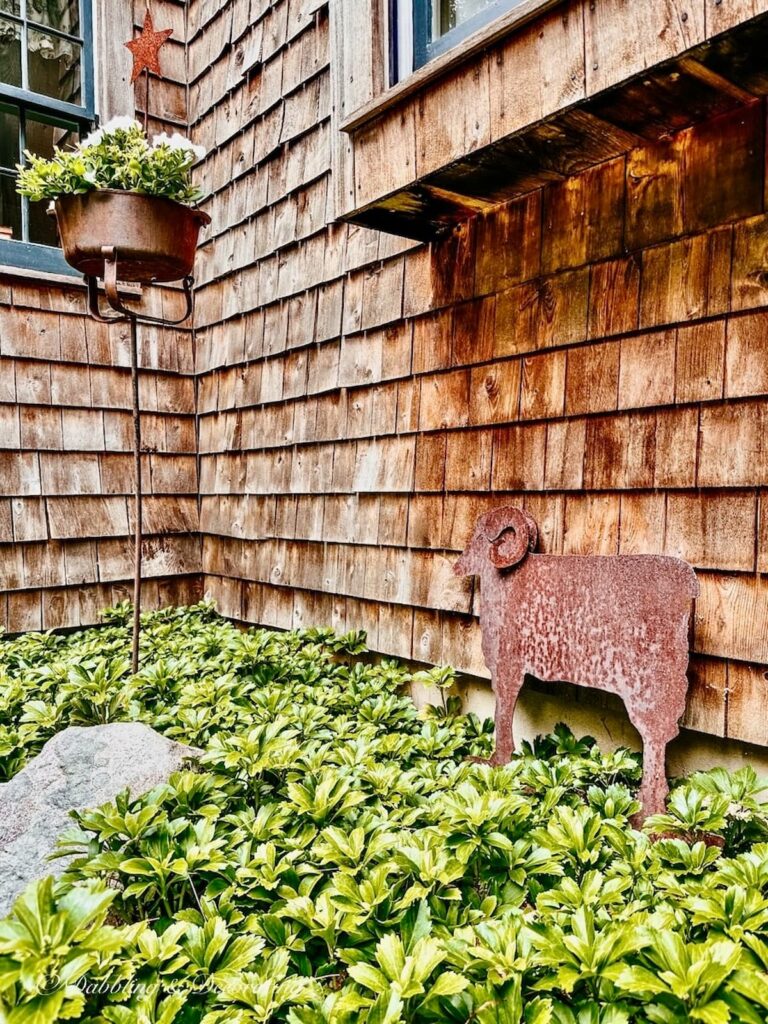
(54,66)
(63,15)
(43,135)
(10,208)
(10,52)
(9,137)
(450,13)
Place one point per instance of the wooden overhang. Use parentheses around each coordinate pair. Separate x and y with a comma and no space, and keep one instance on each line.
(711,78)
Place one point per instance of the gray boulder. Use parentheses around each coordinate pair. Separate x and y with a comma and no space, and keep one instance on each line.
(77,769)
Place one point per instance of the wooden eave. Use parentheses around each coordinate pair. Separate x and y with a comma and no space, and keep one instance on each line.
(711,78)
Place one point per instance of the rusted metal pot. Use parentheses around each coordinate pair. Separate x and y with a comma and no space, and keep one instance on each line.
(155,238)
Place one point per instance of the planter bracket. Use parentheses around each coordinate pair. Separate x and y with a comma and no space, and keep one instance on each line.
(124,313)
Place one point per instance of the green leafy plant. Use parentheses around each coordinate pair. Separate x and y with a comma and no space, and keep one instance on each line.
(117,156)
(337,857)
(48,946)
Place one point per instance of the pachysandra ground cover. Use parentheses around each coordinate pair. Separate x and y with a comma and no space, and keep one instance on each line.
(336,856)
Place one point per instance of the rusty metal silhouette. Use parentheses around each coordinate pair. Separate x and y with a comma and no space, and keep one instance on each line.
(618,623)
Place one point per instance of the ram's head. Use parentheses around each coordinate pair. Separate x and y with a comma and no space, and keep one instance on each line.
(501,540)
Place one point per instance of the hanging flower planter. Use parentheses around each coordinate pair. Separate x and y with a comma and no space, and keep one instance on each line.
(126,211)
(156,238)
(119,197)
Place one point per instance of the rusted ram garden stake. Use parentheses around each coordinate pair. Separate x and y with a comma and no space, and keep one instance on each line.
(616,623)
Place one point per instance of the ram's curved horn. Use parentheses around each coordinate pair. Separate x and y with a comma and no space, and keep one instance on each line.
(509,533)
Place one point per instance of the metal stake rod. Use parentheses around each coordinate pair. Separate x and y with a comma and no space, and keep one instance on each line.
(124,314)
(138,495)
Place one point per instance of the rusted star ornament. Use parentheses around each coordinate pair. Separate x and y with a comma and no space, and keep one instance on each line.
(146,48)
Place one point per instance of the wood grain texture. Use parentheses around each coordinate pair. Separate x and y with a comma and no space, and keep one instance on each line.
(566,91)
(65,423)
(747,695)
(624,37)
(593,350)
(724,14)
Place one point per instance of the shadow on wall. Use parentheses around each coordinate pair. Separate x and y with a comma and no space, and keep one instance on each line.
(602,715)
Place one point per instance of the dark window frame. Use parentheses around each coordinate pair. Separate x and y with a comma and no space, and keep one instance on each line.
(426,49)
(22,253)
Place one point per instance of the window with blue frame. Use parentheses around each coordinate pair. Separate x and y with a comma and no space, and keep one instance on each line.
(424,29)
(46,100)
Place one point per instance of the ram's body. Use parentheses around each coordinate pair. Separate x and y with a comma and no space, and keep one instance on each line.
(617,623)
(614,623)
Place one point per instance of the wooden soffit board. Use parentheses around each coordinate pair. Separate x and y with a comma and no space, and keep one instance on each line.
(711,78)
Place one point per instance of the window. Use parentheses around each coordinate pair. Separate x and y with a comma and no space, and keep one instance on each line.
(423,29)
(46,100)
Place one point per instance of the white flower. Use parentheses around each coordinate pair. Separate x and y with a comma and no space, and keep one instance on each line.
(177,141)
(123,123)
(93,139)
(115,124)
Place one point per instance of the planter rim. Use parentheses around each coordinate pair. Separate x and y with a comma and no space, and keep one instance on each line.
(205,218)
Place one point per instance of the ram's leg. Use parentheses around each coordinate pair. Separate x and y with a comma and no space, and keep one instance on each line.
(654,788)
(507,685)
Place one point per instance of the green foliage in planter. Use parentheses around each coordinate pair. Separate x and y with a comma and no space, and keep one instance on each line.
(337,859)
(117,156)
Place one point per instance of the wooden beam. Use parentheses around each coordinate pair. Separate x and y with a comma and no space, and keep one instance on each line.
(708,81)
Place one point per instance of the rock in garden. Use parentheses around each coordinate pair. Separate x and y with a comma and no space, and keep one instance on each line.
(77,769)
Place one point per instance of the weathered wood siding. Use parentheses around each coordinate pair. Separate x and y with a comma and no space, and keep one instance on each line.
(597,350)
(66,472)
(546,91)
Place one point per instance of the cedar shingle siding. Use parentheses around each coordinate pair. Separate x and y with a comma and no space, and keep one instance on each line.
(66,470)
(596,350)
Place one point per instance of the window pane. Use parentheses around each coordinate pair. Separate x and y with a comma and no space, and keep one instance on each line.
(61,14)
(54,66)
(10,208)
(42,227)
(450,13)
(9,137)
(10,52)
(42,135)
(9,7)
